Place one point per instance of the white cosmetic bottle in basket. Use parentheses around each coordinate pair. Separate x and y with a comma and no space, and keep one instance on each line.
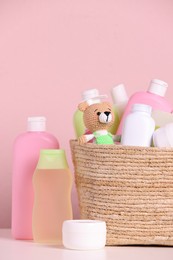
(138,127)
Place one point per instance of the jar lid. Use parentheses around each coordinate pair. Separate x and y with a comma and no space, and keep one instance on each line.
(84,234)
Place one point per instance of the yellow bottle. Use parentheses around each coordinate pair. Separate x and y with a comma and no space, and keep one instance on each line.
(52,183)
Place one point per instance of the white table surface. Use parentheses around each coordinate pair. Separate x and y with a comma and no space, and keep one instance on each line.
(26,250)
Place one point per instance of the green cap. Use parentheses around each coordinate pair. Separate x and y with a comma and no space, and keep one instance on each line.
(52,159)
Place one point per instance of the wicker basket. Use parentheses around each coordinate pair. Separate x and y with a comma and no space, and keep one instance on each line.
(131,188)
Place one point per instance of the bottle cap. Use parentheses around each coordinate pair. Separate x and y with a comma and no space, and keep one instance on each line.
(92,96)
(119,94)
(52,159)
(142,108)
(158,87)
(84,234)
(36,124)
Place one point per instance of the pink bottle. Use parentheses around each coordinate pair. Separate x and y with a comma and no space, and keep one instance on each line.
(154,97)
(26,152)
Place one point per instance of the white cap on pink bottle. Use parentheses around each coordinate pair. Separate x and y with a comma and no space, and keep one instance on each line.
(36,124)
(158,87)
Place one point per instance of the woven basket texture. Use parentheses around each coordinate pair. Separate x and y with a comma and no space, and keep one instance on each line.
(131,188)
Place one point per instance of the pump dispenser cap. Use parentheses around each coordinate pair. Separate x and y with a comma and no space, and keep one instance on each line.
(92,96)
(158,87)
(36,124)
(119,94)
(142,108)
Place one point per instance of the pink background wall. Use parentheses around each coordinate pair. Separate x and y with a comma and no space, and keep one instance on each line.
(52,50)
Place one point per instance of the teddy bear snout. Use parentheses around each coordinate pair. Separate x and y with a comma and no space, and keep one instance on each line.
(105,117)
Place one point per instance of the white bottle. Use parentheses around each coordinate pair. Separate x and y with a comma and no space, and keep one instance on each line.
(138,126)
(120,99)
(163,136)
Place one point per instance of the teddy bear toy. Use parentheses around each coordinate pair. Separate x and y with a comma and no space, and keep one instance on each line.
(97,118)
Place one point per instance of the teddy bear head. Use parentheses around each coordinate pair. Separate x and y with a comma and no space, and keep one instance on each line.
(99,116)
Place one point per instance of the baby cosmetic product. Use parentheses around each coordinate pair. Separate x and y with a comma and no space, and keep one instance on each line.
(84,234)
(26,152)
(162,118)
(138,126)
(120,99)
(52,182)
(163,136)
(154,97)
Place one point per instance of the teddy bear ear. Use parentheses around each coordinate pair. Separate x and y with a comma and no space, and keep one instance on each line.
(83,106)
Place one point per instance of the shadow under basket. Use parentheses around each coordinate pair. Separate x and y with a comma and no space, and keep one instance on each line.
(131,188)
